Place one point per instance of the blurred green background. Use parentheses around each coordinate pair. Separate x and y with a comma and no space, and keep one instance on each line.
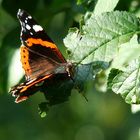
(104,117)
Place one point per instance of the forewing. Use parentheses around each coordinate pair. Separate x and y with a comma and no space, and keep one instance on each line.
(39,54)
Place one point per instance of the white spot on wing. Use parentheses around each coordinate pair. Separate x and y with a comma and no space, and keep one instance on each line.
(37,28)
(29,17)
(28,27)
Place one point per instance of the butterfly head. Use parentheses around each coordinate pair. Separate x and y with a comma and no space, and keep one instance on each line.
(70,69)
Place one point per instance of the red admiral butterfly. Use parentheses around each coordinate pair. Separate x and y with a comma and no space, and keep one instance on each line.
(40,57)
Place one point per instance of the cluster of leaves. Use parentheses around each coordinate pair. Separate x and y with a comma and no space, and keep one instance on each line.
(100,40)
(109,36)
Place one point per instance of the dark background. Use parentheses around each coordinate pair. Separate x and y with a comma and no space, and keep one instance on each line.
(104,117)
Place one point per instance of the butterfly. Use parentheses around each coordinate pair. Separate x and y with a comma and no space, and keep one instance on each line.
(40,58)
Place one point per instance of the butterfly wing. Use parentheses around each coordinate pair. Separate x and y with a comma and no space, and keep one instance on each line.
(39,55)
(28,88)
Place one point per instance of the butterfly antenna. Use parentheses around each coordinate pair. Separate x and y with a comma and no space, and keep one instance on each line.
(85,97)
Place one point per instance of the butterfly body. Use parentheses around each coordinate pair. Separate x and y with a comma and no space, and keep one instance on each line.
(40,57)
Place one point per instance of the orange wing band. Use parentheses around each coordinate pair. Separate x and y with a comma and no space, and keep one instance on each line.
(24,53)
(47,44)
(35,82)
(32,41)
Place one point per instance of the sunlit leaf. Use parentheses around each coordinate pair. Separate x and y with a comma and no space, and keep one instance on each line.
(127,52)
(135,108)
(105,6)
(101,36)
(126,63)
(127,82)
(15,65)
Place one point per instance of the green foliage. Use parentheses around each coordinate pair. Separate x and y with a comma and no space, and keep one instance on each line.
(101,37)
(103,6)
(127,82)
(100,40)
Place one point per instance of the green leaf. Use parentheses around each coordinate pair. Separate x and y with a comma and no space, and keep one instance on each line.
(127,82)
(101,36)
(127,52)
(135,108)
(14,64)
(112,75)
(105,6)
